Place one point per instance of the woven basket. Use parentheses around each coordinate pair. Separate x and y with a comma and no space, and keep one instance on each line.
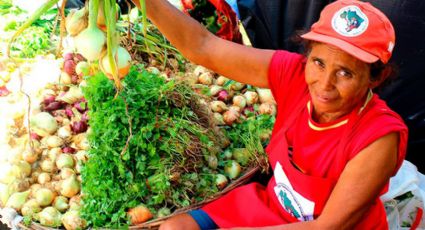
(246,177)
(154,224)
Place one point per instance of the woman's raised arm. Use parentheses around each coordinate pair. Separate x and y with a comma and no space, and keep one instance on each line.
(238,62)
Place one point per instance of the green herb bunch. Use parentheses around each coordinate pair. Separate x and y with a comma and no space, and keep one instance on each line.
(163,163)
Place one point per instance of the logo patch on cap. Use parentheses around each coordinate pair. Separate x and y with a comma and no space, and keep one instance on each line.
(350,21)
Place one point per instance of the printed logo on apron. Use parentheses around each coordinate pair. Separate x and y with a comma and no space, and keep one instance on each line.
(293,202)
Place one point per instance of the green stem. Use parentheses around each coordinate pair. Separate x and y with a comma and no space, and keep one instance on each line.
(43,9)
(93,12)
(144,18)
(111,43)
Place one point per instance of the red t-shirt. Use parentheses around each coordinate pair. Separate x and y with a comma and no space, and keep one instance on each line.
(320,151)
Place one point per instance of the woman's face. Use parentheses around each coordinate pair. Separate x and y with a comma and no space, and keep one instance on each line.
(337,81)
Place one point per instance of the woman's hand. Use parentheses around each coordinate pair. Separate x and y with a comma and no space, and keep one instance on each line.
(238,62)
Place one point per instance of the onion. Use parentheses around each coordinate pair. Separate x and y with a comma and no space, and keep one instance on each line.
(33,189)
(17,200)
(35,136)
(206,78)
(54,186)
(68,111)
(265,95)
(248,111)
(267,108)
(219,119)
(235,108)
(76,21)
(73,95)
(239,101)
(221,80)
(78,167)
(81,141)
(56,105)
(64,132)
(251,97)
(44,178)
(230,116)
(237,86)
(74,79)
(21,169)
(54,141)
(221,181)
(61,203)
(30,208)
(232,169)
(200,70)
(163,212)
(153,69)
(47,165)
(44,196)
(68,56)
(72,220)
(265,135)
(101,21)
(81,155)
(75,203)
(70,187)
(50,217)
(218,106)
(79,127)
(19,185)
(241,155)
(214,89)
(44,124)
(67,173)
(81,105)
(122,60)
(223,95)
(69,67)
(68,149)
(82,69)
(65,78)
(91,40)
(212,161)
(54,153)
(64,161)
(227,154)
(48,99)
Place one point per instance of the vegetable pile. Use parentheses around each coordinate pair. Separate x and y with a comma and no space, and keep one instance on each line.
(118,141)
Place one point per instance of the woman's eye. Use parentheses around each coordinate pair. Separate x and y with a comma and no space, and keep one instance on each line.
(344,73)
(318,63)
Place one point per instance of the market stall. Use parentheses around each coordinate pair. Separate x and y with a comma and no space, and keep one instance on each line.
(107,125)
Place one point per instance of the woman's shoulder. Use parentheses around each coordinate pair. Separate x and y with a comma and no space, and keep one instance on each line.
(376,121)
(377,113)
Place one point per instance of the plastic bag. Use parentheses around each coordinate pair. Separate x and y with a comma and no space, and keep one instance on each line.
(404,201)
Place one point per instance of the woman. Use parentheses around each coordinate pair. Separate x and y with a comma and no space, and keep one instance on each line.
(335,144)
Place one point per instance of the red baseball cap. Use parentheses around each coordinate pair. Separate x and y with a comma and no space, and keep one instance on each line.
(356,27)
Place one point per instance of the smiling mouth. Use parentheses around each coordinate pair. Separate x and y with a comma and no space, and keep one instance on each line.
(325,98)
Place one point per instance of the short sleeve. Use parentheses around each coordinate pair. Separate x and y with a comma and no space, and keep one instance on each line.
(379,122)
(286,82)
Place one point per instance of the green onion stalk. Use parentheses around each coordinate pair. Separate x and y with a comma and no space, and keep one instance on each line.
(112,39)
(40,11)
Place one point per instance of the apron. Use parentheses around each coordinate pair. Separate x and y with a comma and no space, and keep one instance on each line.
(290,195)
